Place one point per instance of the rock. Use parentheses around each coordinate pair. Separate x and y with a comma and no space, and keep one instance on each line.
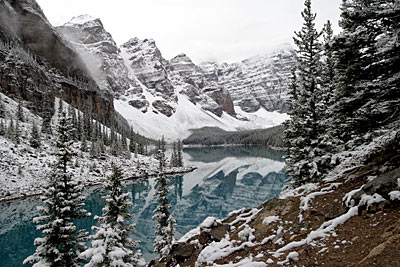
(163,108)
(101,53)
(204,238)
(376,251)
(141,104)
(182,251)
(382,185)
(218,232)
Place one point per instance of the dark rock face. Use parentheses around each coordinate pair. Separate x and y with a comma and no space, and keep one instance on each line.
(35,61)
(218,232)
(141,104)
(24,20)
(163,108)
(101,105)
(100,52)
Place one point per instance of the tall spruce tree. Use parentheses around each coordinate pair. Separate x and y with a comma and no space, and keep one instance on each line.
(303,133)
(368,60)
(20,111)
(60,106)
(10,130)
(179,157)
(2,128)
(165,221)
(61,241)
(46,115)
(17,132)
(174,156)
(328,72)
(111,244)
(35,137)
(2,109)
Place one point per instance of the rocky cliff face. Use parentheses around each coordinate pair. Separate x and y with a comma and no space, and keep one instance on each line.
(138,73)
(99,51)
(36,61)
(258,82)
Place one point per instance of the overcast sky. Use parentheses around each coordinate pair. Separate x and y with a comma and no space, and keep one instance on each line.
(220,30)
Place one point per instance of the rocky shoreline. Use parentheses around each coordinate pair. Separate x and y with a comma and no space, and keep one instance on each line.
(352,221)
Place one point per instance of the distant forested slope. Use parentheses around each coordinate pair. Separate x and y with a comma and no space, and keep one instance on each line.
(216,136)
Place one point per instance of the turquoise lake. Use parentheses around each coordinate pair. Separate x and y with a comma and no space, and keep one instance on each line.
(227,179)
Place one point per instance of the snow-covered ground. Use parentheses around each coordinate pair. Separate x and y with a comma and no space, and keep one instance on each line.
(23,169)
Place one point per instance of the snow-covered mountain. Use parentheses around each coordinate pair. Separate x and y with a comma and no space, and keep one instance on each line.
(256,83)
(169,97)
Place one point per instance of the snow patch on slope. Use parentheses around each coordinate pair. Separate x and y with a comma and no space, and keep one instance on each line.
(190,116)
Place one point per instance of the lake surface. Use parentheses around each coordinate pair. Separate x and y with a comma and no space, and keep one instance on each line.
(227,179)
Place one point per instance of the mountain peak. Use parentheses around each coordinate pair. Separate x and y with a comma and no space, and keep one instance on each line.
(182,57)
(83,19)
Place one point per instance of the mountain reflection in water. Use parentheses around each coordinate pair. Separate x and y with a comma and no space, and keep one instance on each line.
(227,179)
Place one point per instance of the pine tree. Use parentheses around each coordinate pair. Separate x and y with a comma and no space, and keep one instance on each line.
(79,127)
(35,137)
(84,146)
(20,111)
(74,123)
(2,109)
(174,156)
(2,128)
(70,111)
(46,115)
(60,106)
(63,201)
(132,144)
(10,130)
(111,244)
(305,129)
(165,221)
(179,157)
(368,59)
(17,132)
(328,72)
(93,150)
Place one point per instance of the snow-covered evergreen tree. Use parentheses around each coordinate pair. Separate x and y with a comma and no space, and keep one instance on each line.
(17,132)
(368,60)
(10,130)
(2,109)
(2,128)
(93,150)
(84,145)
(165,221)
(60,106)
(46,115)
(35,137)
(20,111)
(111,244)
(61,241)
(174,156)
(179,157)
(328,72)
(303,133)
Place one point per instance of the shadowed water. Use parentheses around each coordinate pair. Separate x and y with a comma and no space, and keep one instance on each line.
(226,179)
